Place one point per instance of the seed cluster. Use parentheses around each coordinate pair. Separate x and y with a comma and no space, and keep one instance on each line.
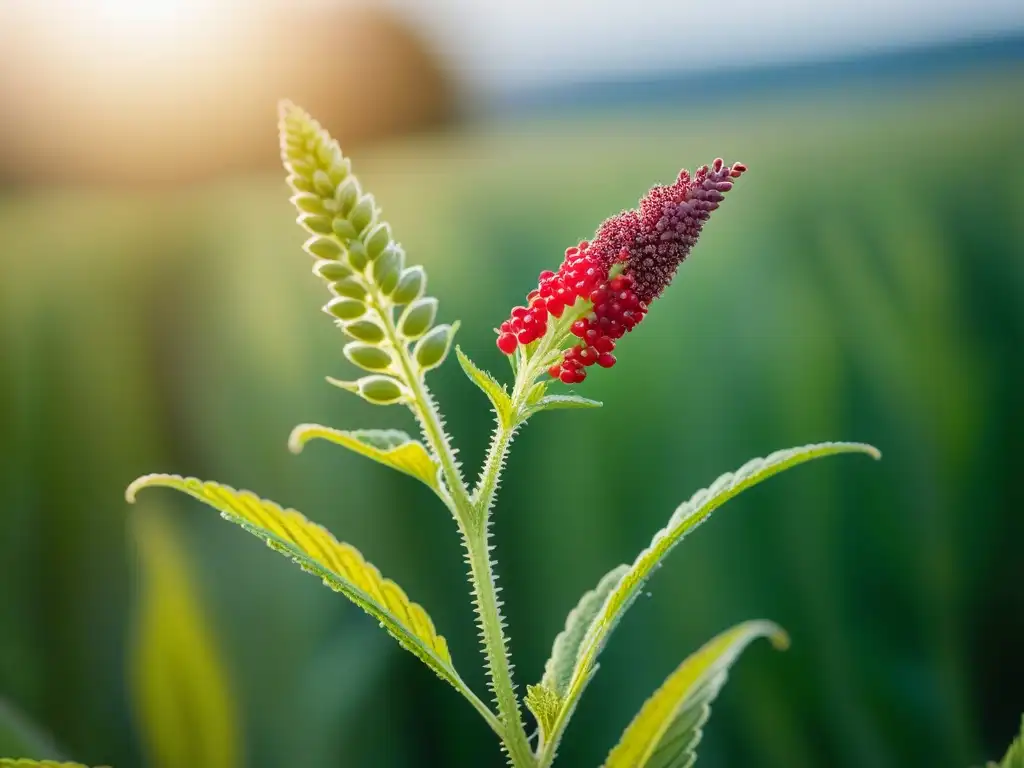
(650,243)
(582,272)
(617,310)
(361,262)
(660,235)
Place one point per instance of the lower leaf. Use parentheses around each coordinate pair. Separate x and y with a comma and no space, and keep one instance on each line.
(340,566)
(666,731)
(685,519)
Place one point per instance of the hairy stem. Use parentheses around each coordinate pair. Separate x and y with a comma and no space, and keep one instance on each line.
(495,650)
(483,495)
(472,518)
(490,475)
(482,500)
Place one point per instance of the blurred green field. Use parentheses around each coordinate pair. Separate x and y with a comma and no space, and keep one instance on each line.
(865,281)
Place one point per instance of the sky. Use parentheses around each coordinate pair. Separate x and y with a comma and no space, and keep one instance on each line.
(508,45)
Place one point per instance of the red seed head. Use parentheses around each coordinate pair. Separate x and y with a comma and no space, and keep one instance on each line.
(507,343)
(659,235)
(645,246)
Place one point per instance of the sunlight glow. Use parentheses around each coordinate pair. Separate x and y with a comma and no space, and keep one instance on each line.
(148,29)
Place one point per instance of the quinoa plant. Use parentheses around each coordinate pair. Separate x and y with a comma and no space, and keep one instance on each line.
(570,325)
(572,321)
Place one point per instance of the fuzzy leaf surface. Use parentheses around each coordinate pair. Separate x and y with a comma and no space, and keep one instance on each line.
(390,447)
(185,712)
(565,652)
(556,402)
(495,392)
(685,518)
(339,565)
(666,731)
(544,705)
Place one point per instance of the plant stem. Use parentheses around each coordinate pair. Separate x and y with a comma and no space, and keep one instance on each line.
(492,628)
(483,496)
(472,518)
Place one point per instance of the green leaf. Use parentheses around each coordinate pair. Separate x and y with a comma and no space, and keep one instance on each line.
(565,652)
(495,392)
(340,566)
(7,762)
(685,518)
(545,705)
(555,402)
(666,731)
(545,698)
(186,715)
(390,447)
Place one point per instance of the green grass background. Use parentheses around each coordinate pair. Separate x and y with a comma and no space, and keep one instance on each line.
(865,281)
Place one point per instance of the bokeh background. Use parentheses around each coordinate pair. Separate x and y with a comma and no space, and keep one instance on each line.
(865,281)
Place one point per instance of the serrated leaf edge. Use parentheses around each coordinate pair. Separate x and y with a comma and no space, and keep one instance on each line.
(584,611)
(684,520)
(556,402)
(435,655)
(495,392)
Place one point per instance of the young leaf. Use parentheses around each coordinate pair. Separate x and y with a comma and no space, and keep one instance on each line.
(186,715)
(390,447)
(686,517)
(666,731)
(545,699)
(340,566)
(569,401)
(495,392)
(7,762)
(545,705)
(555,402)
